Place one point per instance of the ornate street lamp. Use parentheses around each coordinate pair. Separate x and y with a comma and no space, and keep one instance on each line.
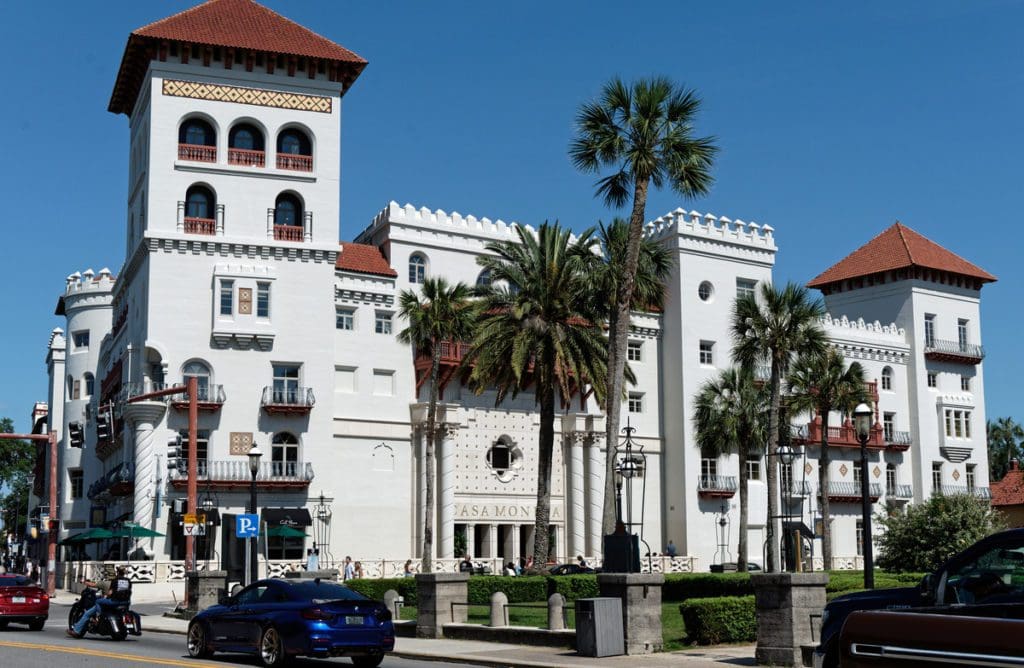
(786,455)
(254,469)
(208,504)
(30,478)
(621,549)
(322,511)
(862,425)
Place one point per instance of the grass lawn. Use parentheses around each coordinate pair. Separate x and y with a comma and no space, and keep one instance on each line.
(672,630)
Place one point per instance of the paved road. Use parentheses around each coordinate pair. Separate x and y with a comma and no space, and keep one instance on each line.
(51,648)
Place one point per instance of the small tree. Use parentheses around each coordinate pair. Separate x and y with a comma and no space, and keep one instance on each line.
(1004,445)
(931,532)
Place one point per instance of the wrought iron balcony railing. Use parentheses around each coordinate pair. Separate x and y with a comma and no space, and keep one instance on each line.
(237,471)
(852,489)
(953,351)
(716,483)
(197,153)
(977,492)
(288,396)
(900,440)
(800,488)
(899,491)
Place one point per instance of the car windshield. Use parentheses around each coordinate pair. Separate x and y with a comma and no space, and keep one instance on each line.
(15,581)
(323,591)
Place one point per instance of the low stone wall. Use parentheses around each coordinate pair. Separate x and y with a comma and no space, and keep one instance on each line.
(515,635)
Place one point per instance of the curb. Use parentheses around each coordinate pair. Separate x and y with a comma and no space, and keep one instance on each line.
(474,661)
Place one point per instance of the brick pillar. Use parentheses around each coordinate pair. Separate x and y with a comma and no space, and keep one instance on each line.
(785,603)
(436,593)
(641,608)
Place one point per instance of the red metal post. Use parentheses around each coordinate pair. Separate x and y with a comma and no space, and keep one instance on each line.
(54,524)
(193,466)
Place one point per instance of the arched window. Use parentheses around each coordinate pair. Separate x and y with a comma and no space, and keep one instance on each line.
(89,381)
(201,373)
(284,455)
(887,378)
(417,268)
(293,142)
(197,132)
(199,203)
(484,279)
(245,146)
(287,210)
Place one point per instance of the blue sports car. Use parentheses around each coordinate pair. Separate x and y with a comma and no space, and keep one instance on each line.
(281,619)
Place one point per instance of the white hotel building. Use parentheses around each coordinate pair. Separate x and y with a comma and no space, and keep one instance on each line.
(234,274)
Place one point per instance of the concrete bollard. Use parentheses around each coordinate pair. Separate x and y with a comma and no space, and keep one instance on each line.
(394,603)
(556,616)
(498,603)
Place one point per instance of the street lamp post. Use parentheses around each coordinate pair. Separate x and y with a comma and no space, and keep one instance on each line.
(30,479)
(254,469)
(862,425)
(786,456)
(208,504)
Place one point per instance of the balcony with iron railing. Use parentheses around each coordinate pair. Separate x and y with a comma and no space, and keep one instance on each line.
(800,488)
(197,153)
(209,398)
(287,400)
(850,492)
(199,225)
(297,232)
(716,486)
(953,351)
(843,435)
(119,481)
(293,162)
(234,474)
(246,157)
(898,440)
(970,490)
(899,492)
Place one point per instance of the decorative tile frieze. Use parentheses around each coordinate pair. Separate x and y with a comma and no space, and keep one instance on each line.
(255,96)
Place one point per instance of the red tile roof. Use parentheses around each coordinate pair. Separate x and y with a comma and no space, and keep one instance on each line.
(364,259)
(898,247)
(238,24)
(1010,490)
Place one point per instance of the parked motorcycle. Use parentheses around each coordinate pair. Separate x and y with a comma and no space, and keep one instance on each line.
(115,620)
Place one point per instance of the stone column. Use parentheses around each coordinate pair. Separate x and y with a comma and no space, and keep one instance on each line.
(492,541)
(436,593)
(577,515)
(594,492)
(785,603)
(419,452)
(446,491)
(470,540)
(514,556)
(641,608)
(144,415)
(205,589)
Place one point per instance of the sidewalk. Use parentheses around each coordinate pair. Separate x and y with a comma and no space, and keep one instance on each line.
(500,655)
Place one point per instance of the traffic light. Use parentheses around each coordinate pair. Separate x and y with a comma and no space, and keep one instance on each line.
(76,436)
(104,430)
(174,453)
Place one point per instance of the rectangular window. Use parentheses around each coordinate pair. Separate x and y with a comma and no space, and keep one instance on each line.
(634,351)
(886,381)
(382,325)
(345,379)
(888,425)
(76,482)
(929,329)
(707,352)
(81,340)
(860,538)
(245,301)
(286,383)
(383,382)
(961,334)
(958,424)
(345,318)
(965,383)
(263,300)
(284,459)
(76,391)
(636,402)
(785,479)
(936,477)
(933,379)
(744,287)
(948,420)
(708,470)
(890,479)
(202,449)
(967,424)
(971,476)
(856,475)
(227,298)
(754,469)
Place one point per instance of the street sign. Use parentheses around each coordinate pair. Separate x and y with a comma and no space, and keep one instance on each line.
(194,529)
(247,526)
(190,518)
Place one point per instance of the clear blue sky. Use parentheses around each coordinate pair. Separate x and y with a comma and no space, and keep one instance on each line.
(834,119)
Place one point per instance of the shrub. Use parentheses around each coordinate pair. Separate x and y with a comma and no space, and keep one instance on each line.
(573,587)
(523,589)
(683,586)
(711,621)
(375,589)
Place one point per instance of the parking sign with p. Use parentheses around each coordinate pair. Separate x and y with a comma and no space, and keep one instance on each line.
(247,526)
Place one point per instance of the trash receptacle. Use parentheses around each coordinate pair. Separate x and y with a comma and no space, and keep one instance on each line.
(599,627)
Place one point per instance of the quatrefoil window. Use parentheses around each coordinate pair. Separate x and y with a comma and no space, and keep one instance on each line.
(504,459)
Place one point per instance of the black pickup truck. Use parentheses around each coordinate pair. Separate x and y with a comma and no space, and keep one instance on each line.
(988,575)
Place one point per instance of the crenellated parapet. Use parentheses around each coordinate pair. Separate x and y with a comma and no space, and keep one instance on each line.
(710,226)
(843,325)
(89,280)
(440,220)
(861,340)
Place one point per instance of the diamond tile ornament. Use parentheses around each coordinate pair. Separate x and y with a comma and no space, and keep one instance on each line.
(876,471)
(843,470)
(956,474)
(254,96)
(807,469)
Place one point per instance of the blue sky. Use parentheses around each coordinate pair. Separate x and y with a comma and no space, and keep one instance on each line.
(834,120)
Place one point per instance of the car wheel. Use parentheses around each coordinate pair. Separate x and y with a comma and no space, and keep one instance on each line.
(197,642)
(36,624)
(371,661)
(271,649)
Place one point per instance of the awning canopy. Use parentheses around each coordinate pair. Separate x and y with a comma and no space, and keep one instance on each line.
(288,517)
(791,526)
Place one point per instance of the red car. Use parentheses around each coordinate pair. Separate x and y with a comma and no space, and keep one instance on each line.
(23,601)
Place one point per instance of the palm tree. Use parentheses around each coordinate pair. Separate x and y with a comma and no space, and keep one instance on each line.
(770,330)
(538,331)
(823,383)
(729,417)
(643,132)
(441,313)
(1004,445)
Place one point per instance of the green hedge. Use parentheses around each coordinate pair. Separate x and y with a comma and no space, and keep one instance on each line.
(711,621)
(406,588)
(844,582)
(573,587)
(684,586)
(523,589)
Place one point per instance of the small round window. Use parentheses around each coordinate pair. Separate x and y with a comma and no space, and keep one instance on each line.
(705,291)
(504,459)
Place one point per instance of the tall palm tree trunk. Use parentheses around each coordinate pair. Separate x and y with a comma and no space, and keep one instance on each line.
(617,343)
(541,531)
(741,547)
(823,482)
(772,553)
(429,463)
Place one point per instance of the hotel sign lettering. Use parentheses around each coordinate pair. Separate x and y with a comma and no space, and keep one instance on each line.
(501,511)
